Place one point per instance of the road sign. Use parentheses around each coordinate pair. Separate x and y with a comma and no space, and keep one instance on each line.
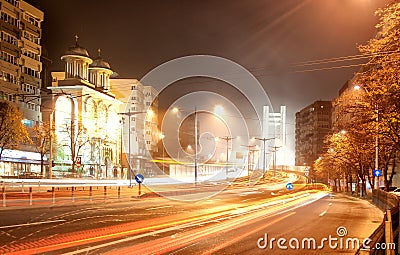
(78,162)
(377,172)
(306,172)
(289,186)
(139,178)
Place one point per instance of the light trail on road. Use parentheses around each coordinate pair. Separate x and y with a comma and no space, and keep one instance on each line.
(221,215)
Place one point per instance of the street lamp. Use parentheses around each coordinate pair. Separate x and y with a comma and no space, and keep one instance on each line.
(248,156)
(162,136)
(227,139)
(358,87)
(264,152)
(275,149)
(129,114)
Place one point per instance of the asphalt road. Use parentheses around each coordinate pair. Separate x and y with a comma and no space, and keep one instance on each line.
(235,221)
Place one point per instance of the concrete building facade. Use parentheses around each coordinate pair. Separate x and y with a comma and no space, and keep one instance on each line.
(20,76)
(313,123)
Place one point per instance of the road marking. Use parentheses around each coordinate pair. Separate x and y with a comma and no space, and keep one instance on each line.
(32,224)
(159,207)
(330,204)
(322,214)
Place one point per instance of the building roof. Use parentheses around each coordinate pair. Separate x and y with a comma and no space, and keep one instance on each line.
(99,62)
(77,50)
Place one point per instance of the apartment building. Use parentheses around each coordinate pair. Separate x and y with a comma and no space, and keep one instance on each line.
(313,123)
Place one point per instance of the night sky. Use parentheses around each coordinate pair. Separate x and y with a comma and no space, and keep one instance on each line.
(268,37)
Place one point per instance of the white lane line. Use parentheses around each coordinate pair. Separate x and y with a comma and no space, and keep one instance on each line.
(32,224)
(330,204)
(322,214)
(159,207)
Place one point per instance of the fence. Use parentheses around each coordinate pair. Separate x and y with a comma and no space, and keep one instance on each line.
(25,193)
(388,230)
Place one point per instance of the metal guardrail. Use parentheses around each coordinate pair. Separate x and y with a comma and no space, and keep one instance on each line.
(388,230)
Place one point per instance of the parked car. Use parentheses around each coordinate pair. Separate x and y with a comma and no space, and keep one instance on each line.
(396,192)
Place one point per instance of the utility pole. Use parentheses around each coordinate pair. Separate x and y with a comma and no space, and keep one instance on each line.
(275,149)
(195,146)
(264,152)
(248,156)
(129,114)
(51,146)
(227,139)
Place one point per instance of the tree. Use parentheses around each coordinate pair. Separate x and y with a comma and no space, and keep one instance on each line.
(381,75)
(12,131)
(78,138)
(41,141)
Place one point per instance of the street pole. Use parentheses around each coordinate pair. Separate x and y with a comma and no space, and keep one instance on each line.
(377,146)
(51,147)
(357,87)
(129,114)
(264,140)
(227,139)
(129,148)
(248,156)
(275,149)
(195,146)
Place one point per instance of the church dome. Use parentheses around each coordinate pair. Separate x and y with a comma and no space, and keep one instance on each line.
(77,50)
(100,63)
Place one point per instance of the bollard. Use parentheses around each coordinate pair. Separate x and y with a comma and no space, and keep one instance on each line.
(105,193)
(39,186)
(30,195)
(4,195)
(73,194)
(119,192)
(23,190)
(53,195)
(90,194)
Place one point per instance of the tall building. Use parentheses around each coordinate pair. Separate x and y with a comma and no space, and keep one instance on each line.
(142,102)
(313,123)
(20,58)
(274,126)
(20,72)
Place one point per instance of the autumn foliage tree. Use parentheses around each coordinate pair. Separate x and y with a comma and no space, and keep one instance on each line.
(41,141)
(371,114)
(12,131)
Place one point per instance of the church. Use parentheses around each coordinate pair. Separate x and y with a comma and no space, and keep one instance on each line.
(86,118)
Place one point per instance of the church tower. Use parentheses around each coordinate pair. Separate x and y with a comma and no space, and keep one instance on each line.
(77,62)
(99,73)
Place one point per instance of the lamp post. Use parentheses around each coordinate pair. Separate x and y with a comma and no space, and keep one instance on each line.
(227,139)
(357,87)
(275,149)
(162,136)
(248,156)
(264,140)
(195,145)
(129,114)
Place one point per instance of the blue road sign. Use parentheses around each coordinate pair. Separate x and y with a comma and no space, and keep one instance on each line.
(139,178)
(377,172)
(289,186)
